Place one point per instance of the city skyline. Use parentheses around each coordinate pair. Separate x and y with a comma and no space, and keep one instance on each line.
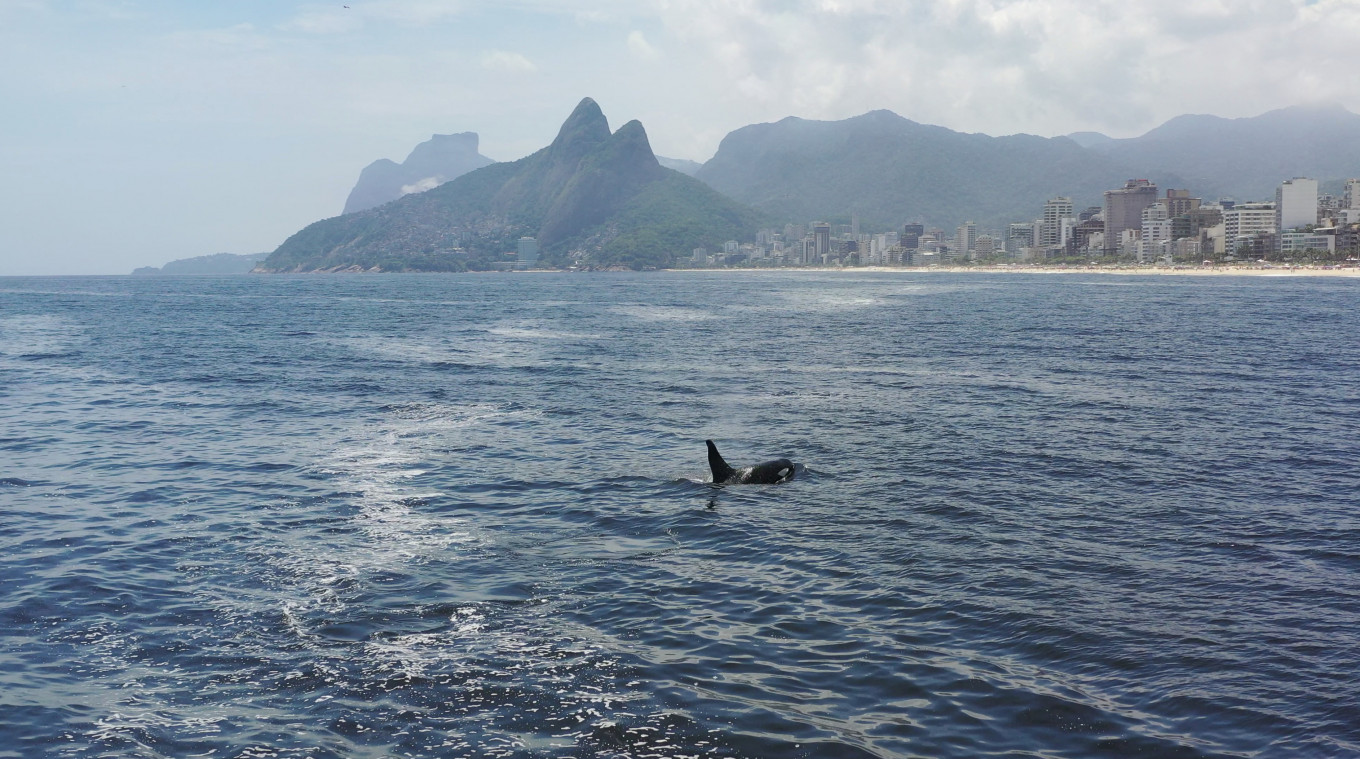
(1136,224)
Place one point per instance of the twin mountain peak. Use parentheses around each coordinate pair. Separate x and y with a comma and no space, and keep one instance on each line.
(593,196)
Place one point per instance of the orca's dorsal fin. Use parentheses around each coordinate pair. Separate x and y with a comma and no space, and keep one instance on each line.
(721,471)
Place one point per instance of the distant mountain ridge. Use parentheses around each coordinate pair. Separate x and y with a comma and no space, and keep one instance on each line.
(886,169)
(599,196)
(216,263)
(682,165)
(441,158)
(1247,158)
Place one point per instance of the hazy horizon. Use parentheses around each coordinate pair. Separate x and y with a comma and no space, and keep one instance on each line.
(147,131)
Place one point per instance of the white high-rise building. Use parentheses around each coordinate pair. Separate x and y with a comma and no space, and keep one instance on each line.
(964,238)
(1352,197)
(1051,230)
(1156,223)
(1245,220)
(1296,202)
(878,249)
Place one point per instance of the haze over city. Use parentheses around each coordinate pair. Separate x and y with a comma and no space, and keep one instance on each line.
(144,131)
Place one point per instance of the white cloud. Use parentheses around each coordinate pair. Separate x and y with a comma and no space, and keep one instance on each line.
(342,18)
(324,22)
(500,60)
(592,16)
(241,38)
(417,12)
(428,183)
(641,48)
(1001,66)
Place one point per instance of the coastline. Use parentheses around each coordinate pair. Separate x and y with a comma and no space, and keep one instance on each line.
(1196,271)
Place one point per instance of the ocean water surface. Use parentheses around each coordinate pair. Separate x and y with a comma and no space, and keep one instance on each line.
(466,515)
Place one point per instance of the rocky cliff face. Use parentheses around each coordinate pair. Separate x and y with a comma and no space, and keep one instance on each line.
(442,158)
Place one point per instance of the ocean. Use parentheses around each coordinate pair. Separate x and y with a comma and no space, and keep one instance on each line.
(467,515)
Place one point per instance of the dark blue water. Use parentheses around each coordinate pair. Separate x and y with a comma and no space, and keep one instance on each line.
(1041,516)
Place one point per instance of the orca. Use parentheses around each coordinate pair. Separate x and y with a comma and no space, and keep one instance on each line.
(768,473)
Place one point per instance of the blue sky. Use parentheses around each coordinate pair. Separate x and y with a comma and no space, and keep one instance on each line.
(141,131)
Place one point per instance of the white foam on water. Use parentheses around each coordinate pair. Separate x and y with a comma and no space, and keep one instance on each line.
(37,334)
(391,527)
(415,655)
(401,350)
(828,302)
(531,332)
(663,313)
(481,348)
(382,464)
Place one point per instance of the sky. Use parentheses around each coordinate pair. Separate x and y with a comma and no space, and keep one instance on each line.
(136,132)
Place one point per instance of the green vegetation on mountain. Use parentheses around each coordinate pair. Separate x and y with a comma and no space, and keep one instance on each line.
(674,208)
(590,198)
(886,170)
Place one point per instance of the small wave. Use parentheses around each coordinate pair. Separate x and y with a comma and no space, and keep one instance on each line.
(402,350)
(382,469)
(804,302)
(532,333)
(663,313)
(36,337)
(465,353)
(606,547)
(14,482)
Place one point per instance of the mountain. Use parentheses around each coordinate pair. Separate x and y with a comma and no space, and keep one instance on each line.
(591,197)
(682,165)
(437,160)
(887,169)
(1089,139)
(217,263)
(1247,158)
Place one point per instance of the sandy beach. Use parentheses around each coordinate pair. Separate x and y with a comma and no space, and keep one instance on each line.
(1182,271)
(1189,271)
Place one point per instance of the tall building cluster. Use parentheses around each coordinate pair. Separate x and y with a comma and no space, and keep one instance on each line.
(1136,222)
